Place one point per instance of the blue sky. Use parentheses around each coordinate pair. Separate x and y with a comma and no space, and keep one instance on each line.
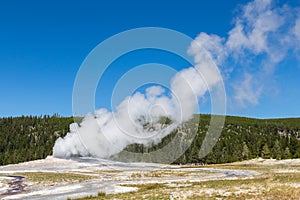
(43,43)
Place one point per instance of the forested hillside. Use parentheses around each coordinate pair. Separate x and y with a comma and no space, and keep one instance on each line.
(30,138)
(241,138)
(245,138)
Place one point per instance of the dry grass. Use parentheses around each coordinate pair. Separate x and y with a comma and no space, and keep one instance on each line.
(164,174)
(270,184)
(268,187)
(38,179)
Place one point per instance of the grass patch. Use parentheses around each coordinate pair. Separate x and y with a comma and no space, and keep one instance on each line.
(256,167)
(169,173)
(49,178)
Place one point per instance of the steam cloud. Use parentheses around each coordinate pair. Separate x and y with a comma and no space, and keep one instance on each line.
(140,117)
(261,29)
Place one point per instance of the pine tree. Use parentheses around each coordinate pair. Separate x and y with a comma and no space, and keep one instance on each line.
(277,150)
(245,152)
(287,153)
(265,152)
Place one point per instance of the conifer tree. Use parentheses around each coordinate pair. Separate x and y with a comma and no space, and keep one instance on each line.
(265,153)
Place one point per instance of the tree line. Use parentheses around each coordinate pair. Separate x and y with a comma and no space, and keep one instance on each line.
(32,137)
(28,138)
(241,139)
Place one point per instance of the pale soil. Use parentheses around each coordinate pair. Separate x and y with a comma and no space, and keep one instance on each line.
(95,175)
(270,162)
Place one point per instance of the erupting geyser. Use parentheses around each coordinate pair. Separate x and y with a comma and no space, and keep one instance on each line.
(138,119)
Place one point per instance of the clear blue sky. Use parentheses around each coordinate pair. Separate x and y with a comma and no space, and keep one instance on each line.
(43,43)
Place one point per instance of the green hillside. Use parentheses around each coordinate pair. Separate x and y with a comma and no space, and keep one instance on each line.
(241,138)
(29,138)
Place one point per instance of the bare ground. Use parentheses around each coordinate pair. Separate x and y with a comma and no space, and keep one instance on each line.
(54,178)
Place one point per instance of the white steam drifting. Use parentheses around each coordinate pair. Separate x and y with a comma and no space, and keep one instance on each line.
(138,118)
(261,29)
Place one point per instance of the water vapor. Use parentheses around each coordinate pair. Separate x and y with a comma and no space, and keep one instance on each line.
(262,36)
(143,118)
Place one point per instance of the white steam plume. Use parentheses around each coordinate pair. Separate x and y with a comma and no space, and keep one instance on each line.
(262,36)
(138,118)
